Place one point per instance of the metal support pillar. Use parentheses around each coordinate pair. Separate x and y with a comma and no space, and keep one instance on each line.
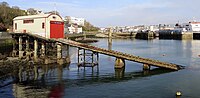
(20,47)
(35,50)
(87,58)
(119,63)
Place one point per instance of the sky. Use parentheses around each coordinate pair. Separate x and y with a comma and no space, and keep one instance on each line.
(106,13)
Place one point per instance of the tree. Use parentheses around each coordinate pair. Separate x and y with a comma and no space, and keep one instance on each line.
(89,27)
(4,4)
(32,11)
(15,7)
(2,27)
(7,14)
(53,12)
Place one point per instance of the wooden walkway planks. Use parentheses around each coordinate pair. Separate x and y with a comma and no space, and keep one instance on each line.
(121,55)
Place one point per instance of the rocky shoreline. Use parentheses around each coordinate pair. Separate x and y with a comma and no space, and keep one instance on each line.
(11,66)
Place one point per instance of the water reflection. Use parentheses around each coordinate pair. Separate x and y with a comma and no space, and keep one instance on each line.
(118,76)
(33,81)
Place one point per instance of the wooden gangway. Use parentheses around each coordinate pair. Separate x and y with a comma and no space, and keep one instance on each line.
(113,53)
(121,55)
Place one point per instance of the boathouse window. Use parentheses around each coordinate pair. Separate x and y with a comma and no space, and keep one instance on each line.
(15,26)
(28,21)
(43,25)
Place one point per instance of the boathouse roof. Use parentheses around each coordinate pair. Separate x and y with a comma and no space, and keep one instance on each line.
(35,16)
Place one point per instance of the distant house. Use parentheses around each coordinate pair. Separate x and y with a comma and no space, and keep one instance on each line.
(46,25)
(73,24)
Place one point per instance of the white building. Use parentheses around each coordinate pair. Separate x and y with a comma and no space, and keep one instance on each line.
(74,29)
(192,26)
(74,20)
(46,25)
(73,24)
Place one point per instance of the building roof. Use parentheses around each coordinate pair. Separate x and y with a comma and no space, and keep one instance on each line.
(33,16)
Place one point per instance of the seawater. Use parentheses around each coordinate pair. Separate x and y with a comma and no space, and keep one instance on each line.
(68,82)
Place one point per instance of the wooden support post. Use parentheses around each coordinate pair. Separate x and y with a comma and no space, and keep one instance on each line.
(97,62)
(93,60)
(84,58)
(67,49)
(146,67)
(78,58)
(109,43)
(110,34)
(14,48)
(68,56)
(97,57)
(20,47)
(84,36)
(36,73)
(119,63)
(35,50)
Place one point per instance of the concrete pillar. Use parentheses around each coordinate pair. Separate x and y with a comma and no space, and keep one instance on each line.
(119,63)
(27,45)
(35,50)
(60,61)
(146,67)
(59,51)
(43,50)
(119,72)
(20,48)
(28,54)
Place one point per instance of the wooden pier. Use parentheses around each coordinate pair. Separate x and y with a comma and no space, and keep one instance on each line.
(94,53)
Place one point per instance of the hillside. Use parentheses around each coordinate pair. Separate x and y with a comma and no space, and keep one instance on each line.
(7,14)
